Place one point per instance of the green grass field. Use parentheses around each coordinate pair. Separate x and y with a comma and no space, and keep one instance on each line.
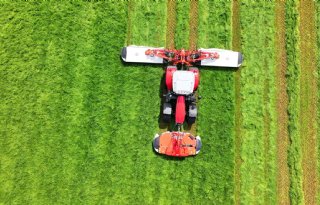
(76,124)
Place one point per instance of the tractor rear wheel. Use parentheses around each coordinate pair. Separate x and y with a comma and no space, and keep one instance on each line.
(166,113)
(191,120)
(156,142)
(198,144)
(166,118)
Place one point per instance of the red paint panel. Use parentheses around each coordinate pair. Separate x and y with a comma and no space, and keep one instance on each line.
(180,109)
(169,73)
(196,77)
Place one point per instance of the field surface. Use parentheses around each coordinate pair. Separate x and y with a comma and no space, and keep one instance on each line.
(76,124)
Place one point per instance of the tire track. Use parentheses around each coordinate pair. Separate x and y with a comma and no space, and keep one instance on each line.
(236,45)
(283,182)
(308,106)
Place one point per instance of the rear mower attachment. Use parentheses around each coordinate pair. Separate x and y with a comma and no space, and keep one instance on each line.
(177,144)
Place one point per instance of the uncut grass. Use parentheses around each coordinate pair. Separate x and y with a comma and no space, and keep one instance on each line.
(181,37)
(258,185)
(216,108)
(143,100)
(57,110)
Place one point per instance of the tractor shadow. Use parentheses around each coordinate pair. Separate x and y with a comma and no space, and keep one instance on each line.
(163,91)
(225,69)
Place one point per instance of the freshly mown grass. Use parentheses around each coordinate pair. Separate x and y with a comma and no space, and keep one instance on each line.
(293,89)
(216,108)
(258,167)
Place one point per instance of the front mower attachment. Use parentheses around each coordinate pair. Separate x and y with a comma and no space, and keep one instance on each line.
(226,58)
(137,54)
(177,144)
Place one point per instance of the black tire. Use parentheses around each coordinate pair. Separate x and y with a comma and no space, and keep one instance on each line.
(156,143)
(195,56)
(191,120)
(198,145)
(166,118)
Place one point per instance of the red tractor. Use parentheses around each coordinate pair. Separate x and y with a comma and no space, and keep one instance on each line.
(182,79)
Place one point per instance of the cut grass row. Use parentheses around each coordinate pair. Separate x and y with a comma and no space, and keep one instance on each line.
(308,96)
(283,182)
(258,120)
(193,24)
(236,46)
(171,24)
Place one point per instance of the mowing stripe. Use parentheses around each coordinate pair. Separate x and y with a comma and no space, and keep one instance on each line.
(18,100)
(216,114)
(293,90)
(257,171)
(141,99)
(308,97)
(193,25)
(170,34)
(283,182)
(102,92)
(269,106)
(236,45)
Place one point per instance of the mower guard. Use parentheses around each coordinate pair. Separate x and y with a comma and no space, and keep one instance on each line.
(227,58)
(177,144)
(137,54)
